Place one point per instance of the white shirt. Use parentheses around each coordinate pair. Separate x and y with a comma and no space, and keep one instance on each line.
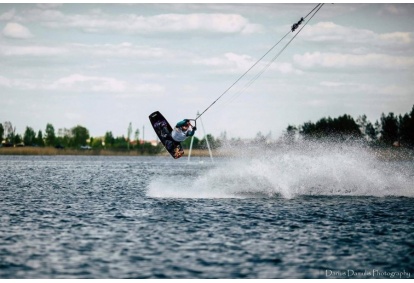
(178,134)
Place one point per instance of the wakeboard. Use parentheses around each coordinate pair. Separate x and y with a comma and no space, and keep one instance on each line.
(163,130)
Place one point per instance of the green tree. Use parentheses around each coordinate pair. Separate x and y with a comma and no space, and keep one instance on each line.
(1,132)
(129,134)
(290,134)
(9,132)
(96,143)
(39,139)
(29,137)
(366,128)
(137,135)
(346,125)
(120,143)
(389,131)
(406,130)
(371,132)
(148,148)
(214,143)
(109,139)
(260,138)
(186,144)
(50,138)
(64,137)
(341,127)
(79,136)
(17,139)
(308,129)
(325,127)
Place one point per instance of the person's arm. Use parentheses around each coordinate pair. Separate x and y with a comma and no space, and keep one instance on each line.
(191,133)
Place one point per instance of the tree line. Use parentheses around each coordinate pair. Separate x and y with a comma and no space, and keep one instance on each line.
(74,138)
(389,130)
(78,137)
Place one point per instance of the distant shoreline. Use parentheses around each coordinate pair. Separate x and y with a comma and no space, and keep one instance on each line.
(48,151)
(385,154)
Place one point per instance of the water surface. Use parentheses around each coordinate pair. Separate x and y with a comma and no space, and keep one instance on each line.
(283,216)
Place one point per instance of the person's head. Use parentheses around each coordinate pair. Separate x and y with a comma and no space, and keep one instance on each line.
(185,127)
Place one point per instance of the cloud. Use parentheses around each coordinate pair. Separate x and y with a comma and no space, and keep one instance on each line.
(346,86)
(31,50)
(332,84)
(396,38)
(357,87)
(15,30)
(285,68)
(5,82)
(396,9)
(240,63)
(329,32)
(124,50)
(229,63)
(84,83)
(78,82)
(7,16)
(47,6)
(341,61)
(97,21)
(16,83)
(317,103)
(72,116)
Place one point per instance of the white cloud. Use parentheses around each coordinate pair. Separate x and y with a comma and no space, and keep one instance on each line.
(333,33)
(133,23)
(47,6)
(396,38)
(122,50)
(329,31)
(341,60)
(78,82)
(240,63)
(7,16)
(285,68)
(377,89)
(84,83)
(346,87)
(317,102)
(5,82)
(72,116)
(392,9)
(16,83)
(332,84)
(227,63)
(396,9)
(31,50)
(125,50)
(42,16)
(15,30)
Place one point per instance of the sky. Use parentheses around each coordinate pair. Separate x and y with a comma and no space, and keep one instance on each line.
(103,66)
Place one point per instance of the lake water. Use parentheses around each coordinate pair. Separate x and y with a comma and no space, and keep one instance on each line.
(324,213)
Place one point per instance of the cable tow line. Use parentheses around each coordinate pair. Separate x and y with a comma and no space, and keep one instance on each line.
(293,28)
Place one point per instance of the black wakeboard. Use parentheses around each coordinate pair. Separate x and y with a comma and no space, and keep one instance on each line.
(163,130)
